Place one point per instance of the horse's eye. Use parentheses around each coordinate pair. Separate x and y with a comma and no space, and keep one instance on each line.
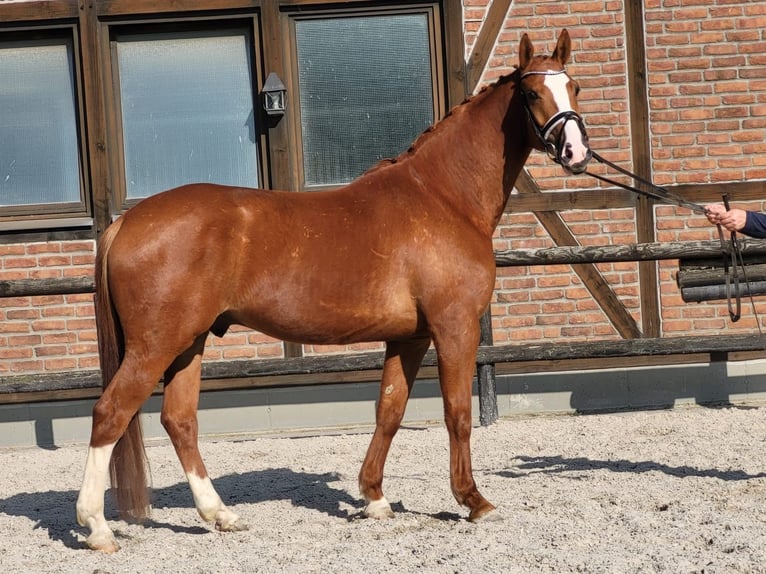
(531,95)
(577,90)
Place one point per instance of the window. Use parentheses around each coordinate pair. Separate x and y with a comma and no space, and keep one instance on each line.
(367,86)
(40,160)
(186,109)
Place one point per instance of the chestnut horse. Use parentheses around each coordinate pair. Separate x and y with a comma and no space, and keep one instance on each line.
(403,254)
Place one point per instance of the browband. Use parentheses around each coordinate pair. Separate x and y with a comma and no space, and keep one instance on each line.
(545,73)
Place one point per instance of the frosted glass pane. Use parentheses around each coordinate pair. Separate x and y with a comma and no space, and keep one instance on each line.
(365,91)
(39,158)
(187,111)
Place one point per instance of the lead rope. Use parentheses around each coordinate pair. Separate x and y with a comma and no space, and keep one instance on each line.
(732,276)
(738,261)
(733,261)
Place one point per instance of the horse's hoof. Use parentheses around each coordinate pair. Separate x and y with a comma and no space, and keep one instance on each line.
(107,545)
(486,515)
(379,509)
(235,526)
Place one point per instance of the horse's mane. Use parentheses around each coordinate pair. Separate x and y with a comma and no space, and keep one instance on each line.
(435,128)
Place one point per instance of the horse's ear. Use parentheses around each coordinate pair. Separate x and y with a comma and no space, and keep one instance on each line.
(563,48)
(526,51)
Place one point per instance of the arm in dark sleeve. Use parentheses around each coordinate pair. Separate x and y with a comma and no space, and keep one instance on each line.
(755,225)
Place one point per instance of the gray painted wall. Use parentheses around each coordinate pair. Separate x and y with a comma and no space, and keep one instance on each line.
(352,405)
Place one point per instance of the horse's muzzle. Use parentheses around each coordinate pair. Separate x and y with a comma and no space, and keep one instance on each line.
(577,167)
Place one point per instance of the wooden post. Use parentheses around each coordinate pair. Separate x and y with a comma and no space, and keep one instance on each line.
(648,275)
(477,61)
(486,375)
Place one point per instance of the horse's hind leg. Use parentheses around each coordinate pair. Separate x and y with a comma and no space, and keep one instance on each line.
(131,385)
(400,368)
(179,417)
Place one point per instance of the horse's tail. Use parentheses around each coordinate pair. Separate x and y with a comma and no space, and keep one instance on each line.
(128,466)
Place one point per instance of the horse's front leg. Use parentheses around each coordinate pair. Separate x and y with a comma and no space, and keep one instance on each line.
(457,363)
(399,370)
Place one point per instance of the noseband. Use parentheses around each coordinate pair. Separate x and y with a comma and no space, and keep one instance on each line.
(555,148)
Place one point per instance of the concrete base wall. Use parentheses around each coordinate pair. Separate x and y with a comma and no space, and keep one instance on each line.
(352,405)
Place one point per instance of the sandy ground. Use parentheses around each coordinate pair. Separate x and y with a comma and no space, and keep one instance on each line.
(662,491)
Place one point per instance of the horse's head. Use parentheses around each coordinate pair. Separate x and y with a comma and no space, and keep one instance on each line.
(550,98)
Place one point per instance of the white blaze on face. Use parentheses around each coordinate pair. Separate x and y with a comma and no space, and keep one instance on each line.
(557,84)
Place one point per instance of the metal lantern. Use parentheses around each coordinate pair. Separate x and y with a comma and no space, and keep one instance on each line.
(274,96)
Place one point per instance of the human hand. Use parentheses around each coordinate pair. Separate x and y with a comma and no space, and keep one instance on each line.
(731,220)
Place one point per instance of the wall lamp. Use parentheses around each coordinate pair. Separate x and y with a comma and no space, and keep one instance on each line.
(274,96)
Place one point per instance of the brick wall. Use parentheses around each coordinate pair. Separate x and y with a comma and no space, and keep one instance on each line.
(707,90)
(49,333)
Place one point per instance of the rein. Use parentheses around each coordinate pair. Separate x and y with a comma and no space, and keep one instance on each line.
(731,254)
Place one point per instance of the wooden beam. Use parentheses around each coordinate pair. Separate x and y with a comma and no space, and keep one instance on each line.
(46,235)
(613,198)
(49,286)
(486,375)
(567,200)
(591,277)
(648,277)
(311,370)
(619,253)
(455,65)
(485,42)
(712,192)
(621,348)
(95,116)
(38,10)
(567,254)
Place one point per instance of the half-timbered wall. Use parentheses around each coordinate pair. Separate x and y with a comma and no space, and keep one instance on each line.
(675,90)
(677,93)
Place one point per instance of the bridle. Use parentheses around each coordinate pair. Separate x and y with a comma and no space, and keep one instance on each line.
(553,148)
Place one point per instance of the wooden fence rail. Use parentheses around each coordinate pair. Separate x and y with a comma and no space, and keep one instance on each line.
(510,258)
(15,387)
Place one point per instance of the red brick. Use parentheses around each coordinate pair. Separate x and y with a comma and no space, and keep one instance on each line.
(19,262)
(48,325)
(11,249)
(60,364)
(14,327)
(77,246)
(20,314)
(26,366)
(15,353)
(51,351)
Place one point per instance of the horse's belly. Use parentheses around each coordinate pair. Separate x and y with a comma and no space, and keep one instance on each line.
(332,321)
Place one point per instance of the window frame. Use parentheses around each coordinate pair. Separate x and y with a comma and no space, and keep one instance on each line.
(439,80)
(55,214)
(167,26)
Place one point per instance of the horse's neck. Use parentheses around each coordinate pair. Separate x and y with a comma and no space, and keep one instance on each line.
(474,157)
